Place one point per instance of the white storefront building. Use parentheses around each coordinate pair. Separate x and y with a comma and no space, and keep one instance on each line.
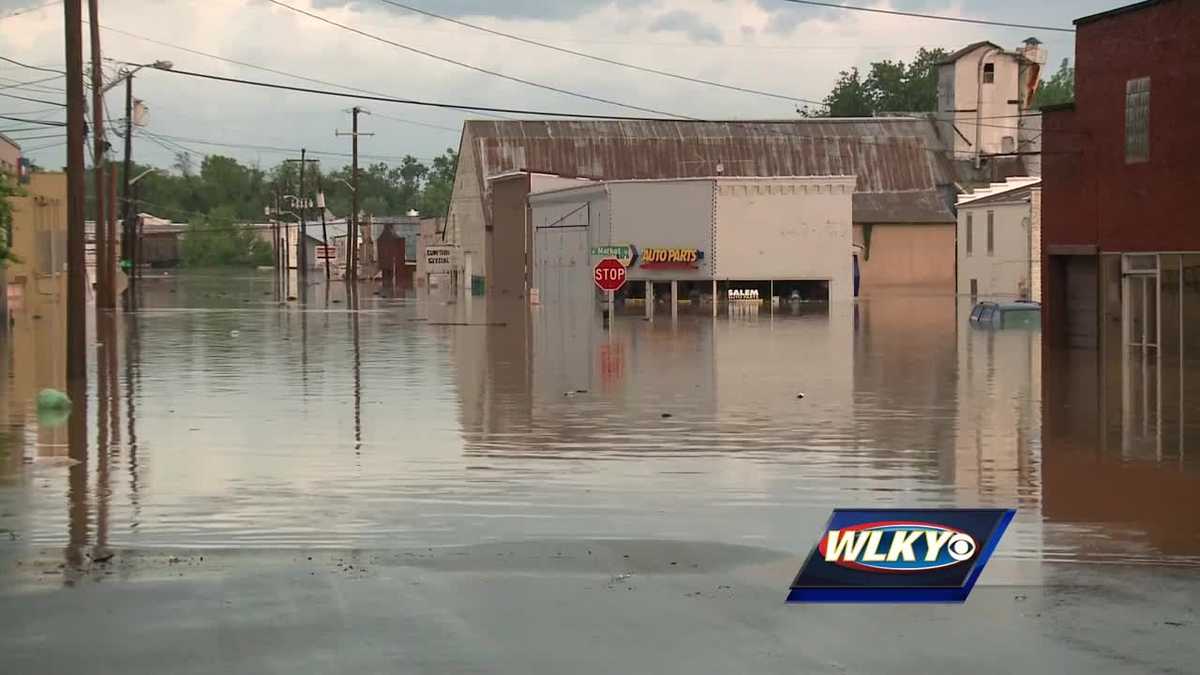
(787,237)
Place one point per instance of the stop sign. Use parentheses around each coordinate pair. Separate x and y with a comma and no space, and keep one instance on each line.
(610,275)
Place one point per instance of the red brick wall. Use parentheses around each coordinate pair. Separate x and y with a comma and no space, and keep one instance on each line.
(1094,197)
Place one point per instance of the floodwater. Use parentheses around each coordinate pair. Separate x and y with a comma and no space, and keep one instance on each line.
(223,417)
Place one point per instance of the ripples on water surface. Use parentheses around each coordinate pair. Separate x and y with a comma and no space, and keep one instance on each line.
(226,418)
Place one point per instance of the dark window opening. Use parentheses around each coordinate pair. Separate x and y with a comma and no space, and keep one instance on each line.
(989,73)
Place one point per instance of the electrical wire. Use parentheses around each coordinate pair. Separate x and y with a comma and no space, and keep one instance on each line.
(26,65)
(485,71)
(245,64)
(602,59)
(267,148)
(44,147)
(38,138)
(19,12)
(937,17)
(31,83)
(405,101)
(29,121)
(34,100)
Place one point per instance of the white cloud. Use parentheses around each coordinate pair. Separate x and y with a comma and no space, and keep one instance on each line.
(801,59)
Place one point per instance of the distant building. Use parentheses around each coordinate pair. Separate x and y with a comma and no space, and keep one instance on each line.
(985,102)
(748,239)
(37,281)
(1121,245)
(996,242)
(902,216)
(10,156)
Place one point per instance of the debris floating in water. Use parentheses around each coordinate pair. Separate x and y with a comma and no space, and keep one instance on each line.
(800,395)
(53,399)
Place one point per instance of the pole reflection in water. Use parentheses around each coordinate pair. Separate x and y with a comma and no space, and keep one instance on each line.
(355,340)
(77,477)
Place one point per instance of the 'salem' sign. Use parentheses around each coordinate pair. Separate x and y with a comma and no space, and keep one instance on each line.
(664,258)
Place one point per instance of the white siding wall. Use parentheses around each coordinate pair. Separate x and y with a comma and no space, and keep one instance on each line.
(792,228)
(1006,271)
(992,102)
(664,214)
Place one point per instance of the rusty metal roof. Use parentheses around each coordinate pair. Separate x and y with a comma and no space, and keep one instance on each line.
(902,157)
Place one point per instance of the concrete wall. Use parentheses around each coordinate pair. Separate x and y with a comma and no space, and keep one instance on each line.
(907,256)
(1035,243)
(1003,274)
(40,241)
(669,214)
(466,226)
(506,257)
(790,228)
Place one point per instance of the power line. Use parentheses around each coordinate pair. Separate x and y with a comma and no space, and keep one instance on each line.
(19,12)
(38,138)
(421,124)
(34,100)
(244,64)
(938,17)
(602,59)
(405,101)
(29,121)
(478,69)
(26,65)
(44,147)
(30,83)
(267,148)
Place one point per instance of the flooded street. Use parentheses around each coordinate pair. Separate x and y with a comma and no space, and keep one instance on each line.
(384,488)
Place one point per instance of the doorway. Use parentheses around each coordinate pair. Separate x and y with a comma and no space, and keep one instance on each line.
(1141,362)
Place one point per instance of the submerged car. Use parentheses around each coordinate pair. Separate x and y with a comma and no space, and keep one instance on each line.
(1007,315)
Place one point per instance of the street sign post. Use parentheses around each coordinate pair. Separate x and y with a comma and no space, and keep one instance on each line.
(609,275)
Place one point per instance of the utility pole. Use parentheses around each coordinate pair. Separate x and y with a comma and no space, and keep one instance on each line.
(76,184)
(126,198)
(105,299)
(352,222)
(324,230)
(302,210)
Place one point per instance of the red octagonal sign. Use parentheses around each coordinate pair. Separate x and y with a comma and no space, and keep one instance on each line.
(610,275)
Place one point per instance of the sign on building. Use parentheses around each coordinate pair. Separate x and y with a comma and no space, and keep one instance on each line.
(441,259)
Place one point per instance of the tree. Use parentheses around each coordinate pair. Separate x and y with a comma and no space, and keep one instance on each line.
(216,241)
(439,184)
(1060,88)
(7,190)
(889,86)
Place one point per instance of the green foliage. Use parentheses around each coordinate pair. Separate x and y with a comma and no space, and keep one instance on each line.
(889,86)
(216,241)
(8,189)
(223,182)
(1060,88)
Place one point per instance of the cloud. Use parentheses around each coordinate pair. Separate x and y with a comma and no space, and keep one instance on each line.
(545,10)
(687,22)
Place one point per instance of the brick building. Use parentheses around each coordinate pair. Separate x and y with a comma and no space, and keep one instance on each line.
(1121,243)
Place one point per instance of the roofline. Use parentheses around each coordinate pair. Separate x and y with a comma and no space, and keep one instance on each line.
(920,117)
(603,184)
(1137,6)
(10,141)
(1057,107)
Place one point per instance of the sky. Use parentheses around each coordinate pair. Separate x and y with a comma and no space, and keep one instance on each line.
(768,45)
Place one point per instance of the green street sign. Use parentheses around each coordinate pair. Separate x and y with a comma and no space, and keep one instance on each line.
(622,252)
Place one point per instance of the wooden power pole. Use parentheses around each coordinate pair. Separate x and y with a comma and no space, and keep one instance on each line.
(105,297)
(76,185)
(352,222)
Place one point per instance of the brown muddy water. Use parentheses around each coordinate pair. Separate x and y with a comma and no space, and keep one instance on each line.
(419,483)
(221,415)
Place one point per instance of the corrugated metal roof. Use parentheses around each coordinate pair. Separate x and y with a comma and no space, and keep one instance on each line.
(887,155)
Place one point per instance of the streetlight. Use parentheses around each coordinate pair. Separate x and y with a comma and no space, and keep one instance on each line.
(127,235)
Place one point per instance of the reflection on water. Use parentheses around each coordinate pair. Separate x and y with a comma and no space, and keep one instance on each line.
(222,414)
